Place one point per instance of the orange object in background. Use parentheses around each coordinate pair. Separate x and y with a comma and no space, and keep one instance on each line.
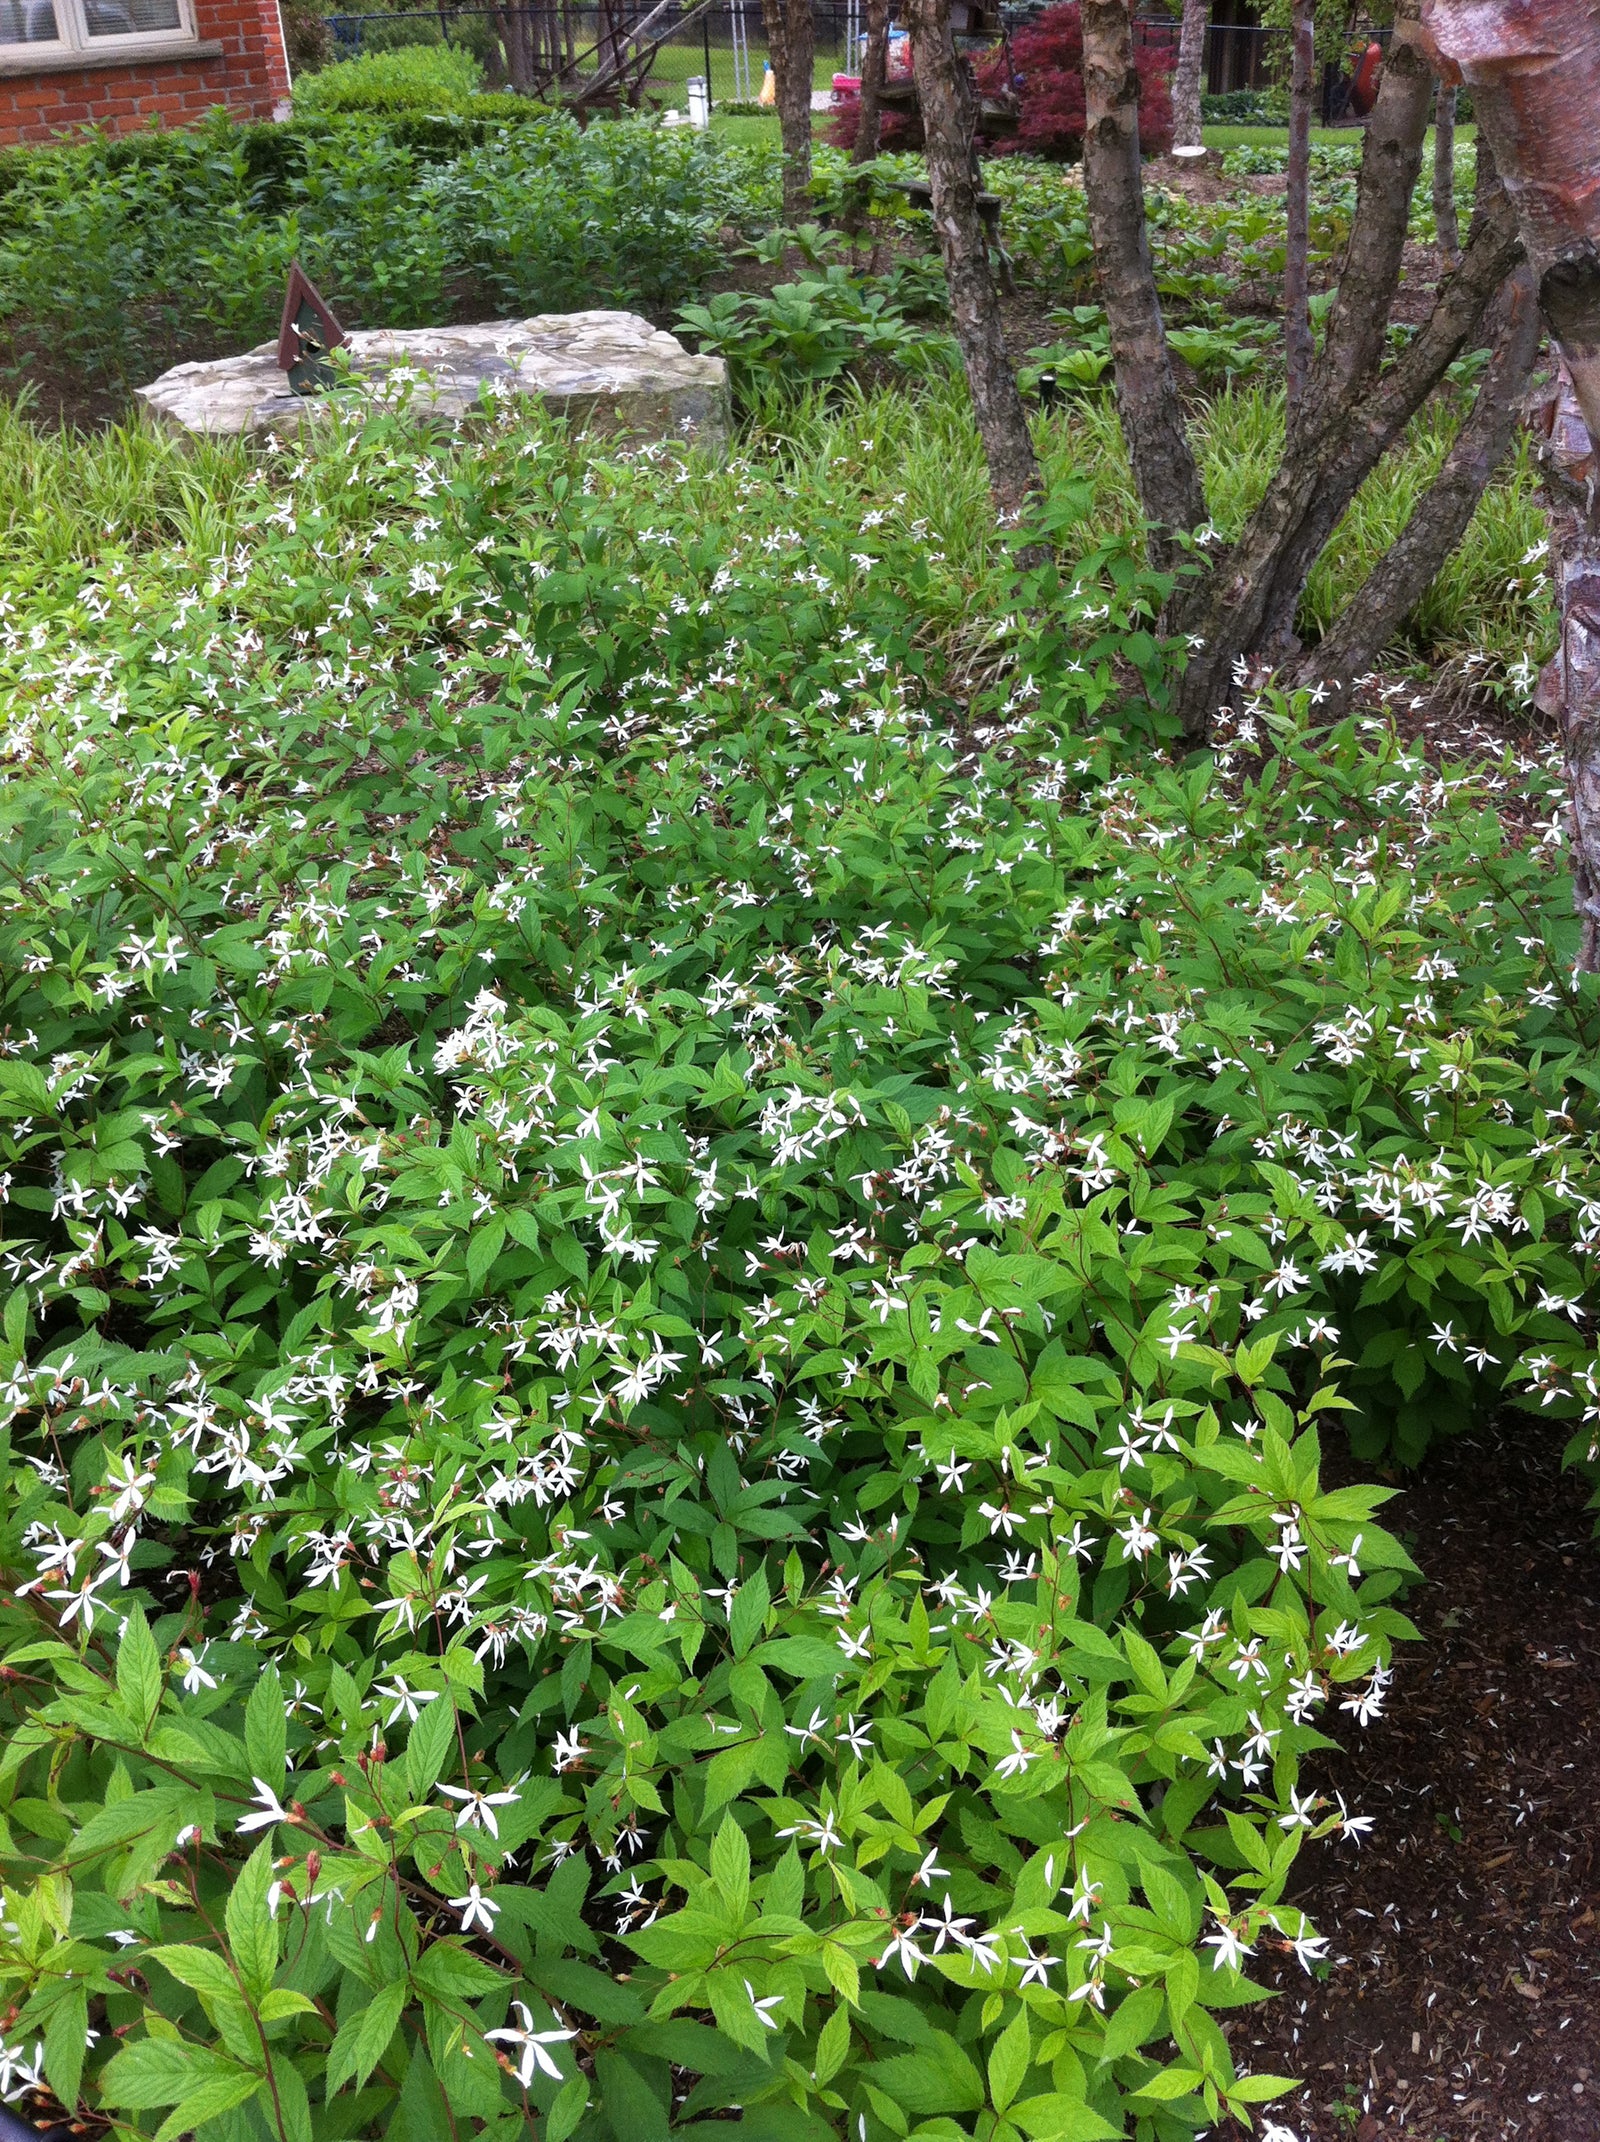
(1364,84)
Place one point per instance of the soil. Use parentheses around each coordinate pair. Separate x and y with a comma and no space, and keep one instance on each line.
(1463,2002)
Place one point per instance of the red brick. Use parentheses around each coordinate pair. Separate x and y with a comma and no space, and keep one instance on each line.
(251,77)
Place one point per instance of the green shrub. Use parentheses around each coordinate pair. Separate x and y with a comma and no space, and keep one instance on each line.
(1235,107)
(671,1291)
(413,78)
(810,330)
(107,248)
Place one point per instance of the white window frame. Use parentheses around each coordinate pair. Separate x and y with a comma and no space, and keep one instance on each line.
(72,36)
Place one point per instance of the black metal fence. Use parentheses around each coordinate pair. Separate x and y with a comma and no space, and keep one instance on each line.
(726,44)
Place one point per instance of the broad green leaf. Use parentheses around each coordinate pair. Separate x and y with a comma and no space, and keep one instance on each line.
(430,1747)
(1009,2059)
(266,1729)
(139,1676)
(730,1865)
(252,1932)
(364,2036)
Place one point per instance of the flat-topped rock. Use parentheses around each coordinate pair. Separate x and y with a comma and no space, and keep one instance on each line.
(609,371)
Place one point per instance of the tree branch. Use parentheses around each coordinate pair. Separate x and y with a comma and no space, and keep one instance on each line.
(1250,597)
(1391,158)
(1442,516)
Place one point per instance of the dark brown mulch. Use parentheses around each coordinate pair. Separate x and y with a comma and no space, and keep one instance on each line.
(1464,2002)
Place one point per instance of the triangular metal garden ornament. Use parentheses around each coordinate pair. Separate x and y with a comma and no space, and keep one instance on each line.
(308,331)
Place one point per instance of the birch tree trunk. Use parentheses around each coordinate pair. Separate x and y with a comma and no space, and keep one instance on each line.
(945,99)
(1444,176)
(1534,73)
(791,46)
(1147,393)
(1297,252)
(874,66)
(1186,113)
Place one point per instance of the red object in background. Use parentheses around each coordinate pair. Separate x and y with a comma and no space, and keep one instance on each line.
(846,85)
(1047,67)
(1047,72)
(1364,83)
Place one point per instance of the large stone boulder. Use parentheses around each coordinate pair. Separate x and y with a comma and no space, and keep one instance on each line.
(609,371)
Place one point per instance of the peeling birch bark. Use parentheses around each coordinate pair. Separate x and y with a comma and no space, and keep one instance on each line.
(1570,686)
(1533,67)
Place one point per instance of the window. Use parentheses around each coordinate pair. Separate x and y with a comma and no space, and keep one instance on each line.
(50,27)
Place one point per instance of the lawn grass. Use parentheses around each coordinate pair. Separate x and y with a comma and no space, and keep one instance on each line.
(1277,137)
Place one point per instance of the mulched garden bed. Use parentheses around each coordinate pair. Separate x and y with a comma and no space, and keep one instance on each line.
(1464,1999)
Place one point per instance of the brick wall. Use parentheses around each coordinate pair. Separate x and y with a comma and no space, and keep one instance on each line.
(250,77)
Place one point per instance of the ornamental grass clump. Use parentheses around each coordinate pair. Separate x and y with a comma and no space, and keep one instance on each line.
(672,1304)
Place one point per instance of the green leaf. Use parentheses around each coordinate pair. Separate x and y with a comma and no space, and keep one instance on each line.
(252,1933)
(631,2104)
(266,1729)
(139,1676)
(1057,2118)
(730,1865)
(1169,2083)
(66,2038)
(205,1970)
(571,2103)
(483,1246)
(164,2071)
(833,2046)
(433,1737)
(1137,2017)
(291,2106)
(217,2094)
(364,2037)
(1009,2060)
(748,1614)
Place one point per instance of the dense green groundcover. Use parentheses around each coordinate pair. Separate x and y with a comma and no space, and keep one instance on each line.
(670,1294)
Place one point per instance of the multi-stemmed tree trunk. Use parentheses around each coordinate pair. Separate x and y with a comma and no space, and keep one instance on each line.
(874,67)
(791,46)
(948,108)
(1186,113)
(1239,611)
(1534,74)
